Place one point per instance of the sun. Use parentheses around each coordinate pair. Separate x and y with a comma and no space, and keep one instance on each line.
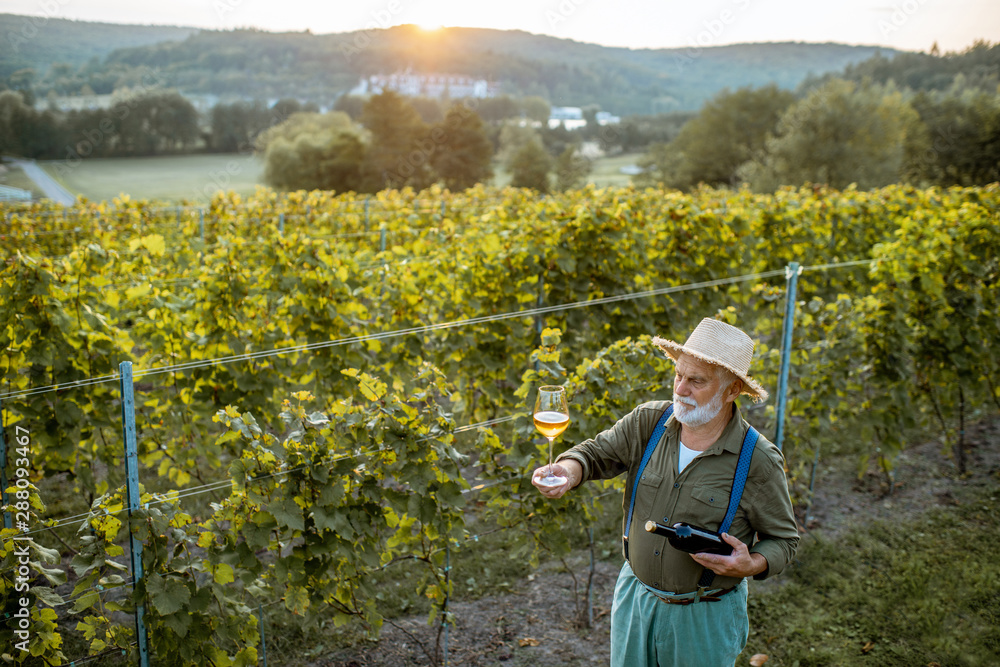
(430,25)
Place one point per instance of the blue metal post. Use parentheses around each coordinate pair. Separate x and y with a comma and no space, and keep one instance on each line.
(447,575)
(263,643)
(539,325)
(201,223)
(132,490)
(792,272)
(3,471)
(281,223)
(367,199)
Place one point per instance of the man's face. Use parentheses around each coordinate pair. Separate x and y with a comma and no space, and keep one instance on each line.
(698,391)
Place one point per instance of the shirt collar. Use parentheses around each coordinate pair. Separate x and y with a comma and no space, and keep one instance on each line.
(731,439)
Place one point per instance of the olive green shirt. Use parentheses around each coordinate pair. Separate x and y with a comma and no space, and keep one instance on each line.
(699,495)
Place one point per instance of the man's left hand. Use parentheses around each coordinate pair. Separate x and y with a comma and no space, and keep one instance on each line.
(741,563)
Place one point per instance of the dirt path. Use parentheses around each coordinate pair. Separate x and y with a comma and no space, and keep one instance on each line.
(48,185)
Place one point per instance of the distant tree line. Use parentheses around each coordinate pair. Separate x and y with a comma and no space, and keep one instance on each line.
(147,122)
(867,129)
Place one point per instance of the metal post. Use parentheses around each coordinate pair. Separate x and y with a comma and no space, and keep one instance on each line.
(590,581)
(538,318)
(201,223)
(281,223)
(385,267)
(792,272)
(263,643)
(367,199)
(812,486)
(132,490)
(442,209)
(447,578)
(3,471)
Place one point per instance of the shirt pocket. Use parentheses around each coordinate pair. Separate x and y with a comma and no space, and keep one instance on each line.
(710,506)
(648,488)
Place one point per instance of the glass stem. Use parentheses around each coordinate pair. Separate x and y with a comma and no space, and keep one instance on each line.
(550,456)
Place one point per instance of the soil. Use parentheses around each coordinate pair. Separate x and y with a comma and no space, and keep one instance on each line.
(540,624)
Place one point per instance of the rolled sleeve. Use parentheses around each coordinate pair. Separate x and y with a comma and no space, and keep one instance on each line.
(609,453)
(773,518)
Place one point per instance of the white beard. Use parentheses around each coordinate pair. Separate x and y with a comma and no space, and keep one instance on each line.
(689,413)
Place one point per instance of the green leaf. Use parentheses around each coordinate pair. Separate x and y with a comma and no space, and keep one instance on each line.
(166,594)
(224,574)
(288,513)
(179,623)
(47,595)
(85,601)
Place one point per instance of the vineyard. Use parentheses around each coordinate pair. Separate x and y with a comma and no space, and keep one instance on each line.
(327,386)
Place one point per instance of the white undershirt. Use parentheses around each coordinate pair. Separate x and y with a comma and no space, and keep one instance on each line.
(684,457)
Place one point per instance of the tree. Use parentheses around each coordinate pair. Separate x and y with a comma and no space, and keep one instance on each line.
(571,169)
(729,130)
(963,139)
(839,134)
(530,166)
(234,126)
(462,156)
(316,162)
(314,124)
(154,122)
(17,120)
(352,105)
(513,137)
(497,109)
(312,151)
(536,108)
(400,150)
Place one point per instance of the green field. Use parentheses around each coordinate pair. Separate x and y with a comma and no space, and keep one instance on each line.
(190,177)
(197,177)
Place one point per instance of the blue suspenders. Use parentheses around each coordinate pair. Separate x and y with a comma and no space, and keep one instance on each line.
(735,494)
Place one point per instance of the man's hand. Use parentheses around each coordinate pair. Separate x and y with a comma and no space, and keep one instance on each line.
(741,563)
(568,468)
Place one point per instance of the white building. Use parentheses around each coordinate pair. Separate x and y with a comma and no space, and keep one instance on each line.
(572,118)
(426,85)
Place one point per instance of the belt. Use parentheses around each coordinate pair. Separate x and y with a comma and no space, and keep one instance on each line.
(700,595)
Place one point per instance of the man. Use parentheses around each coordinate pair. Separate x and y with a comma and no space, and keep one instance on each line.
(672,607)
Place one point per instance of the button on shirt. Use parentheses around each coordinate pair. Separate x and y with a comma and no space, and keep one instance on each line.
(699,495)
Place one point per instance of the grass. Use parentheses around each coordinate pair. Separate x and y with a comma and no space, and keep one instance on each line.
(196,177)
(171,178)
(918,593)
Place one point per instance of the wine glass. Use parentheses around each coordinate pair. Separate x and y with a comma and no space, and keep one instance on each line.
(551,416)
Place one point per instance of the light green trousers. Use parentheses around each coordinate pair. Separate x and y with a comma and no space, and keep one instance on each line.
(646,632)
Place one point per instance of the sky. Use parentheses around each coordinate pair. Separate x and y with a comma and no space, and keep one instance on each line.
(911,25)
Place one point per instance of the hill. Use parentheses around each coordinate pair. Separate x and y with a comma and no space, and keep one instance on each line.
(39,42)
(264,65)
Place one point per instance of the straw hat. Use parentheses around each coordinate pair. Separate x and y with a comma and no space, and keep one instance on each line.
(721,344)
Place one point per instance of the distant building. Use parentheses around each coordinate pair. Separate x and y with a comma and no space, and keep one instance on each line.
(426,85)
(572,118)
(14,194)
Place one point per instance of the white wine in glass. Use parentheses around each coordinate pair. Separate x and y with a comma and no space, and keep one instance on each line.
(551,416)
